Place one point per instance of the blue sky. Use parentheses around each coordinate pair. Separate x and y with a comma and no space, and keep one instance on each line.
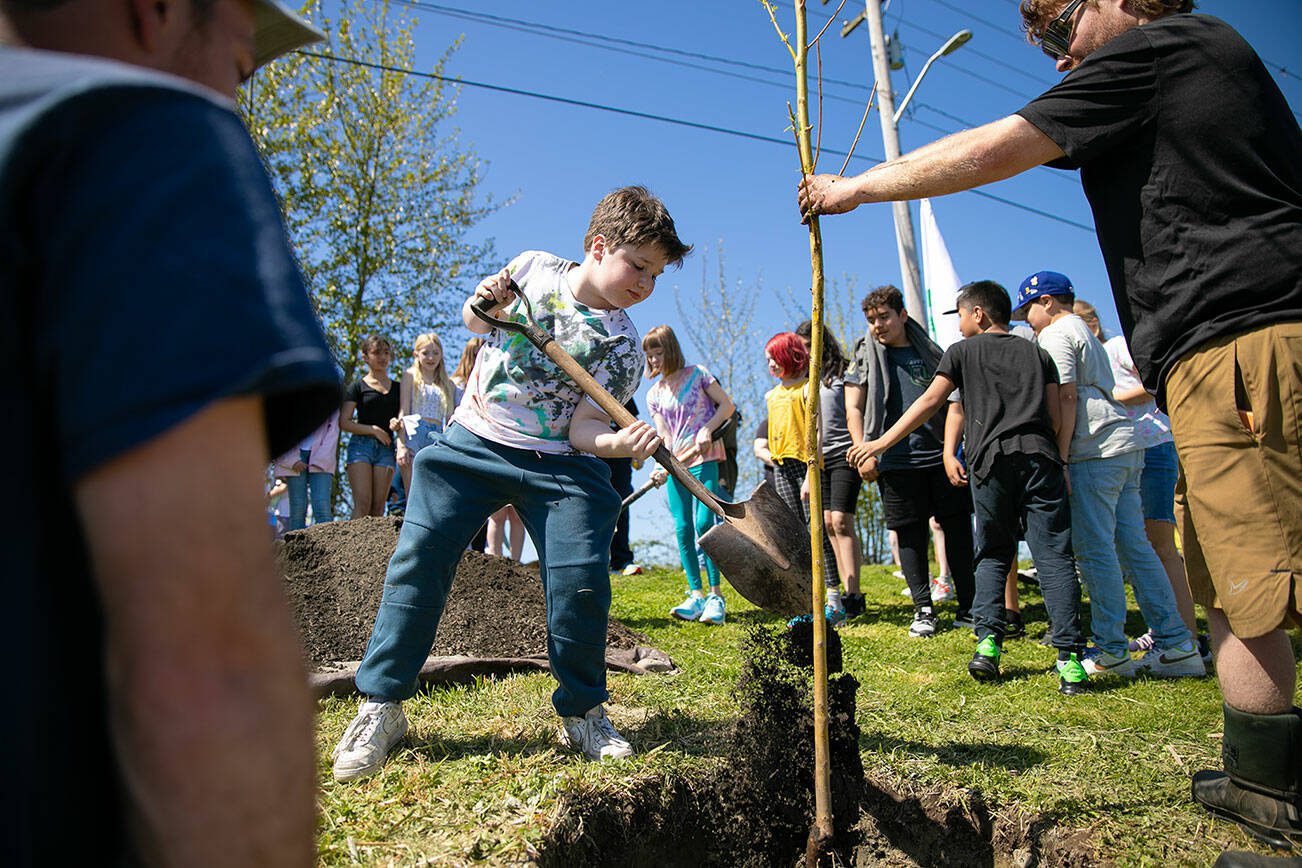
(557,159)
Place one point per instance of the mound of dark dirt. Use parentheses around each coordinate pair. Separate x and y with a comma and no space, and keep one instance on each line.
(334,575)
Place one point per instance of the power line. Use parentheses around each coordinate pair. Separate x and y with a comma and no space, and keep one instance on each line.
(585,37)
(989,58)
(1002,28)
(661,118)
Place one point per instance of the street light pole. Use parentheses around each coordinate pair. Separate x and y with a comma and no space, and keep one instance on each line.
(905,239)
(954,43)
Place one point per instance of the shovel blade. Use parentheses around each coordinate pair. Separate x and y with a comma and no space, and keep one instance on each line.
(763,550)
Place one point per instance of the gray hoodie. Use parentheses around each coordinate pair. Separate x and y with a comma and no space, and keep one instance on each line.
(868,370)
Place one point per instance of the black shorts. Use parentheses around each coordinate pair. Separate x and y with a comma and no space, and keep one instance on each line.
(841,484)
(914,495)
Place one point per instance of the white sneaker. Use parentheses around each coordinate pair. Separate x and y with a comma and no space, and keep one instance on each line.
(594,736)
(924,624)
(367,741)
(1099,662)
(714,612)
(942,589)
(1182,661)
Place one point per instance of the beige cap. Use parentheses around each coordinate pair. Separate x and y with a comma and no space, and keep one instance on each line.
(278,30)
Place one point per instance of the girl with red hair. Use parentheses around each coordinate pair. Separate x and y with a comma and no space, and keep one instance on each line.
(788,449)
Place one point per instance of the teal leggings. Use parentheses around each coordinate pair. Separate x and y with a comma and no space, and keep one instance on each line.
(693,518)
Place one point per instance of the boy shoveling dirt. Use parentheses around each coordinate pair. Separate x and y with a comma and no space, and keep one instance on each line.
(517,438)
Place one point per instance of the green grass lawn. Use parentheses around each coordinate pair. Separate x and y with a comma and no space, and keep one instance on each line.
(481,776)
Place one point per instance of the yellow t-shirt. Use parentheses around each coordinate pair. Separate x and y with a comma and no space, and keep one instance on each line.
(788,421)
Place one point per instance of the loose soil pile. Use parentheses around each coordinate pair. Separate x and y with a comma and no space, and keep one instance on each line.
(334,575)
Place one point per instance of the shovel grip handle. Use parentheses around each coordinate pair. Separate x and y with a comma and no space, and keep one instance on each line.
(594,390)
(623,419)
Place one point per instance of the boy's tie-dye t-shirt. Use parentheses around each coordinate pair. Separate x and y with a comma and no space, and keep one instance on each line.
(682,407)
(517,396)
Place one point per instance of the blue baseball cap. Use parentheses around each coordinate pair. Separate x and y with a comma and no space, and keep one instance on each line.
(1040,284)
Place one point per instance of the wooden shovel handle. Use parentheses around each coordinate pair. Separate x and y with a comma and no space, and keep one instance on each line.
(623,419)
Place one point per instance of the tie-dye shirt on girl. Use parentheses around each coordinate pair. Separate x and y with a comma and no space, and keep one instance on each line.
(681,408)
(518,397)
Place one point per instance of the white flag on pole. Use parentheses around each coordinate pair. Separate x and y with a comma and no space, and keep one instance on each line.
(940,280)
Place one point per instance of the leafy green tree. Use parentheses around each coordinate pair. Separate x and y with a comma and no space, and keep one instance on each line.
(379,193)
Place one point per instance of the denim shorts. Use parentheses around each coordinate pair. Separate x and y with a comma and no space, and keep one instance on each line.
(1157,484)
(366,449)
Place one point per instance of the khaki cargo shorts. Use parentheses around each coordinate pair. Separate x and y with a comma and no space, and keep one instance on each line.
(1236,407)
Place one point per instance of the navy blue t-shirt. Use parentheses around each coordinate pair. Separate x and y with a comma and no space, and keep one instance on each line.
(144,274)
(908,378)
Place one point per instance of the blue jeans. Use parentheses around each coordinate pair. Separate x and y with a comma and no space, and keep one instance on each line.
(691,519)
(1026,486)
(315,484)
(569,508)
(1107,531)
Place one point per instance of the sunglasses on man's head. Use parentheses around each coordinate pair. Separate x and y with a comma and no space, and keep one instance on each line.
(1056,39)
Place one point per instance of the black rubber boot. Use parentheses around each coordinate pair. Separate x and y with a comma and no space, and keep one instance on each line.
(1244,859)
(1260,787)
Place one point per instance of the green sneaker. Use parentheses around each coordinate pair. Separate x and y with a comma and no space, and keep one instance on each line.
(984,664)
(1072,676)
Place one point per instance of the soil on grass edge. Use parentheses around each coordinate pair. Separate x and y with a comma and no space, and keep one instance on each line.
(334,576)
(757,808)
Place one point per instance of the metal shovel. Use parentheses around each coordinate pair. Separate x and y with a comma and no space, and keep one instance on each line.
(761,545)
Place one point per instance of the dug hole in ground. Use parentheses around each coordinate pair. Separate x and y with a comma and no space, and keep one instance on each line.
(753,809)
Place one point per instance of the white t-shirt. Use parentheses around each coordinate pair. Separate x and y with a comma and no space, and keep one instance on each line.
(1152,426)
(1102,427)
(518,397)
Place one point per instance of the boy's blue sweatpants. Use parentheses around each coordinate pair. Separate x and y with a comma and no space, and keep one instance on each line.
(569,508)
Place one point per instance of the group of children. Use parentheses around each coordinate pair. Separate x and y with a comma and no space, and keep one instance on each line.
(1049,454)
(1044,456)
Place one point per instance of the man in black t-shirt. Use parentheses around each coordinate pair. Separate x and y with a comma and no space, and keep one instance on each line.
(1010,389)
(1189,156)
(167,350)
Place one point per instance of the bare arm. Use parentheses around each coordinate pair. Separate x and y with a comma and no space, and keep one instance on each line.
(724,404)
(1132,397)
(919,412)
(1065,425)
(953,434)
(762,451)
(856,398)
(209,707)
(405,389)
(590,432)
(967,159)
